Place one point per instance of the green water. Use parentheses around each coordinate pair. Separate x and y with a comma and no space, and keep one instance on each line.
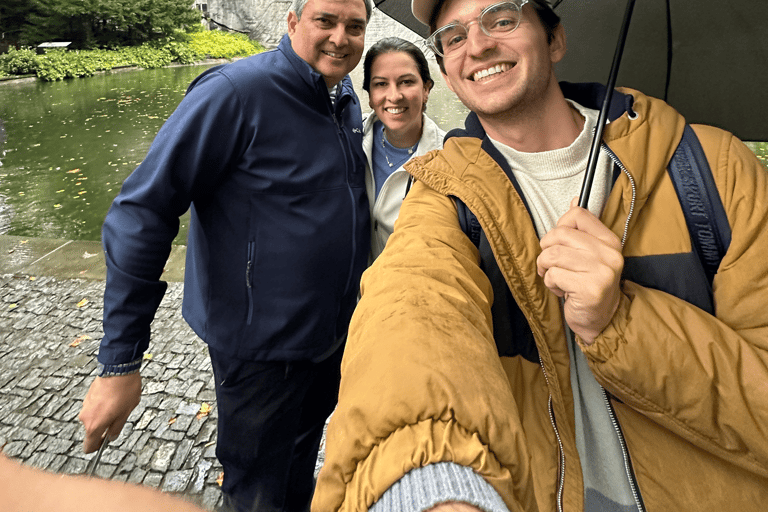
(71,144)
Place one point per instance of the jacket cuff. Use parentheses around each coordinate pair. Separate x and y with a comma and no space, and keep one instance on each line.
(422,488)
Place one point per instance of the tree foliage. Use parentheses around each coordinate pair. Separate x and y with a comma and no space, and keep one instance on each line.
(95,23)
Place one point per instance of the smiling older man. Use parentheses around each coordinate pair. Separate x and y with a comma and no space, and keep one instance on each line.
(267,154)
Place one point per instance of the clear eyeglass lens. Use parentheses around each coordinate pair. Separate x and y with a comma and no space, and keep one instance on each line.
(498,20)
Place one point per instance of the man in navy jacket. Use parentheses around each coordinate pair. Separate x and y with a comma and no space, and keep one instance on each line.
(267,154)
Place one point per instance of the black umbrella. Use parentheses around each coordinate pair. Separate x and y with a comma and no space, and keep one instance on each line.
(706,58)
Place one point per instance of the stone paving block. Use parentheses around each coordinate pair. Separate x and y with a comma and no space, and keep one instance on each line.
(207,433)
(170,404)
(168,374)
(153,387)
(201,470)
(105,471)
(211,498)
(153,479)
(147,452)
(127,465)
(29,382)
(182,423)
(210,451)
(188,408)
(175,387)
(112,456)
(182,452)
(23,434)
(55,445)
(32,423)
(193,389)
(74,466)
(33,446)
(177,481)
(14,448)
(146,419)
(170,435)
(46,460)
(52,406)
(137,476)
(207,395)
(195,426)
(54,383)
(69,412)
(194,457)
(161,460)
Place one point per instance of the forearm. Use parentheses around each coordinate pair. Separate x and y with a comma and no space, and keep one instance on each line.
(31,490)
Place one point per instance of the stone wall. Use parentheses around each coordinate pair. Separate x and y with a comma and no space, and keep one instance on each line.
(265,21)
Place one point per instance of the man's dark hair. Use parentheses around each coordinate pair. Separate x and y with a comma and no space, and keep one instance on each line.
(548,17)
(394,45)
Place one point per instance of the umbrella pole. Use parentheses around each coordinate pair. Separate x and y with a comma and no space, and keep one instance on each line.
(598,137)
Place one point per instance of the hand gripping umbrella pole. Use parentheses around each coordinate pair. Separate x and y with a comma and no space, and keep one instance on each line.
(598,137)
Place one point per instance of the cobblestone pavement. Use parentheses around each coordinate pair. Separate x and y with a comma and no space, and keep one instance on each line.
(49,335)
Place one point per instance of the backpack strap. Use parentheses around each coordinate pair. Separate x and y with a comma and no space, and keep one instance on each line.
(703,210)
(696,190)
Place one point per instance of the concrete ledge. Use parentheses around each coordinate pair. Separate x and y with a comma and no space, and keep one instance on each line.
(69,259)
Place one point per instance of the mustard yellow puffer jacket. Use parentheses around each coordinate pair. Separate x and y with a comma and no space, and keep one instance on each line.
(422,381)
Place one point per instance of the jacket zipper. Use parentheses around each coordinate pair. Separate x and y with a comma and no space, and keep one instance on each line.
(561,451)
(625,452)
(249,279)
(614,420)
(611,412)
(624,170)
(348,161)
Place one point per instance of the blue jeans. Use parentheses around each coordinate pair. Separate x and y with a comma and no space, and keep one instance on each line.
(271,418)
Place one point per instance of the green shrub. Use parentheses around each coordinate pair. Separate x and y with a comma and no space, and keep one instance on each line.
(183,52)
(18,62)
(52,66)
(222,45)
(182,48)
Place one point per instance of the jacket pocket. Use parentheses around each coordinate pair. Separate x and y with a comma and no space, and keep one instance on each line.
(249,271)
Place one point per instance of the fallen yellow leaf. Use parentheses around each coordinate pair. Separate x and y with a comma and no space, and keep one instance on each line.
(205,409)
(79,340)
(82,303)
(220,479)
(147,356)
(172,421)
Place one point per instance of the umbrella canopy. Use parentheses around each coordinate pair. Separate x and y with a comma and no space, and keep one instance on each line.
(706,58)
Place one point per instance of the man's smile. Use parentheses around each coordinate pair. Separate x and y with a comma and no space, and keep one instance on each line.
(483,74)
(334,55)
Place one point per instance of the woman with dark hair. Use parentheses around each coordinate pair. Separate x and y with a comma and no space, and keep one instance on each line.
(397,79)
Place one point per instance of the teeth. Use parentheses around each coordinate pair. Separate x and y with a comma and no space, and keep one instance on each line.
(498,68)
(395,110)
(335,55)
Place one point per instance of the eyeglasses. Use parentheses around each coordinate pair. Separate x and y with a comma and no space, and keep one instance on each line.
(497,20)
